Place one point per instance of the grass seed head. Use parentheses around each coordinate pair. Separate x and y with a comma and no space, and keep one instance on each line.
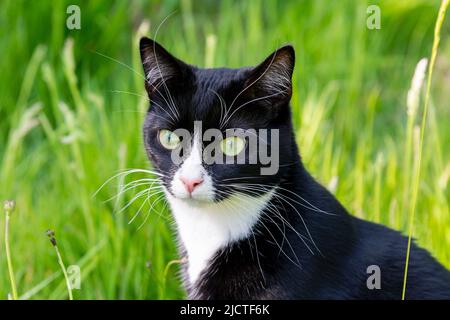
(51,235)
(9,206)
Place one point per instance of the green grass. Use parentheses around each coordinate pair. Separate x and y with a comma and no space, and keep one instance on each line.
(421,130)
(67,125)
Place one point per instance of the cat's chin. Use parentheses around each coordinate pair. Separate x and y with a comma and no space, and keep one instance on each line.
(192,200)
(197,202)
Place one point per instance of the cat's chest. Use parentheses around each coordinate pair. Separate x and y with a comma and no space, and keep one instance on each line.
(207,228)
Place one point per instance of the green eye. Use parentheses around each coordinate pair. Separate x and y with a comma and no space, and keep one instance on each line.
(232,146)
(168,139)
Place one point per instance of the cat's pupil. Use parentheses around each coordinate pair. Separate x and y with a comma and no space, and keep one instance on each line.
(169,137)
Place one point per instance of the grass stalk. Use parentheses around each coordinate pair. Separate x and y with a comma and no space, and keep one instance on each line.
(9,208)
(415,187)
(51,235)
(167,268)
(412,106)
(210,52)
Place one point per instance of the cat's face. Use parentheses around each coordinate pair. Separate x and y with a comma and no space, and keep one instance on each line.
(192,101)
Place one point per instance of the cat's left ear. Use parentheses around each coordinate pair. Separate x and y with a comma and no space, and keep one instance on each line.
(271,81)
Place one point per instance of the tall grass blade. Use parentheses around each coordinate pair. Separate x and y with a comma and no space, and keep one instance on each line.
(437,37)
(9,208)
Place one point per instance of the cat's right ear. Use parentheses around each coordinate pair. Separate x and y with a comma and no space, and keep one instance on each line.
(271,80)
(160,67)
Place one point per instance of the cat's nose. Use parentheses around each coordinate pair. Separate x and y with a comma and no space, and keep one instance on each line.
(191,183)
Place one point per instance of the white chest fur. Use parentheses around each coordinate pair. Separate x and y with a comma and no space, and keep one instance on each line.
(206,228)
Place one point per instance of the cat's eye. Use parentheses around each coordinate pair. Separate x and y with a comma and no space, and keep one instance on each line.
(232,146)
(169,139)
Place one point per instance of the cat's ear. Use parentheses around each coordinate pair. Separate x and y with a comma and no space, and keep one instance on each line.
(271,81)
(160,67)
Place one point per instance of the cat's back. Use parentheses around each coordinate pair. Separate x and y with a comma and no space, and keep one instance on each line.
(363,260)
(383,249)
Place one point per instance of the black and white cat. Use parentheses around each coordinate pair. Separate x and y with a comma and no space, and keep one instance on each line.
(252,236)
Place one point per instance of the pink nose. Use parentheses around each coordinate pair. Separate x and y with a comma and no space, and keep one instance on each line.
(190,184)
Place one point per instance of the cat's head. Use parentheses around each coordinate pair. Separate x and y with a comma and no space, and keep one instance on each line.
(190,129)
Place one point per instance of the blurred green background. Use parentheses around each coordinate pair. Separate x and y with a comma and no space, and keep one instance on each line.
(71,109)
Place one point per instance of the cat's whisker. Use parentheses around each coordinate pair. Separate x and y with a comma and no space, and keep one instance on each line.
(274,210)
(125,173)
(301,237)
(312,206)
(173,117)
(129,203)
(159,68)
(278,245)
(173,111)
(129,68)
(149,196)
(304,224)
(248,102)
(234,208)
(135,184)
(129,111)
(128,187)
(171,121)
(162,197)
(289,164)
(295,209)
(223,106)
(172,114)
(137,196)
(140,208)
(239,209)
(257,257)
(309,205)
(134,197)
(131,93)
(120,63)
(241,178)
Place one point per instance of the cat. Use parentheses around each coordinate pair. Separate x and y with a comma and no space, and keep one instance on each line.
(248,235)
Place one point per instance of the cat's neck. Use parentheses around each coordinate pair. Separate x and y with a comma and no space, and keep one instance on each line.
(206,228)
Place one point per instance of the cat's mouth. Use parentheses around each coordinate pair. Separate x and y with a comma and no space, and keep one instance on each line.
(197,198)
(201,196)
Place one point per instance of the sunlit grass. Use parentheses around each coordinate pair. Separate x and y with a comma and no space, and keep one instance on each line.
(417,171)
(9,208)
(70,119)
(51,235)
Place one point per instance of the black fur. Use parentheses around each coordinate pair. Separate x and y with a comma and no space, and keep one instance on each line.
(328,254)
